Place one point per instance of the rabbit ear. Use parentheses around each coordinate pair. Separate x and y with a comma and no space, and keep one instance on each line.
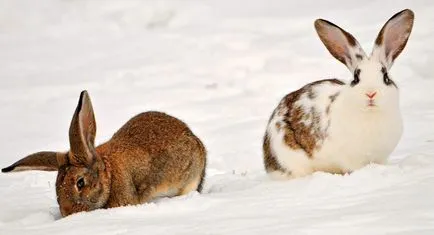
(341,44)
(43,161)
(82,133)
(393,37)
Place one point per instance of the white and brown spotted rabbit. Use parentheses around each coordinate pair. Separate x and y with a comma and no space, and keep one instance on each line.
(153,155)
(335,127)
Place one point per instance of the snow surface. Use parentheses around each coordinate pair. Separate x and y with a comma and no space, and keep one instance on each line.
(221,66)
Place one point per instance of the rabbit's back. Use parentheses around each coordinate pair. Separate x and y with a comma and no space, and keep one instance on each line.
(152,131)
(158,155)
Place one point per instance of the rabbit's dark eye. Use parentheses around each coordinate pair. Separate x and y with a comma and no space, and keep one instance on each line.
(80,183)
(356,79)
(386,78)
(387,81)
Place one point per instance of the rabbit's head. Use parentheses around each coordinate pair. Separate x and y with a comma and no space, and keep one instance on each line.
(83,179)
(372,87)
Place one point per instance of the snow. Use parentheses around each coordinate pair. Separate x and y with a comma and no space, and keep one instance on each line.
(221,66)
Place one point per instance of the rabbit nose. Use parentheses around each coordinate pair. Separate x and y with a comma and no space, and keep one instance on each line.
(371,94)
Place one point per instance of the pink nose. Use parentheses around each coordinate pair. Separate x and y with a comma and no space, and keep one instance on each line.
(371,95)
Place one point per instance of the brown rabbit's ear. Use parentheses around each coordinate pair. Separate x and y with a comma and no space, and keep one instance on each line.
(341,44)
(43,161)
(393,37)
(82,132)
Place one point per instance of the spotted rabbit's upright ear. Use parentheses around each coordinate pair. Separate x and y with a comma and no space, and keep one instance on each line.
(43,161)
(393,37)
(341,44)
(82,133)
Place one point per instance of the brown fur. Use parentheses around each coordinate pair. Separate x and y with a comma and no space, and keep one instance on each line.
(296,134)
(152,155)
(42,160)
(158,151)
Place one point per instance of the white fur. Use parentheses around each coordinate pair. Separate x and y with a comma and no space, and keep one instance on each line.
(355,134)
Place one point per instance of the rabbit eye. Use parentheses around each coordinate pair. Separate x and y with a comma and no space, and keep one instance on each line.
(356,79)
(386,78)
(80,183)
(387,81)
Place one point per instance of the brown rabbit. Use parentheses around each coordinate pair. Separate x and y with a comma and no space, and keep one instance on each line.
(153,155)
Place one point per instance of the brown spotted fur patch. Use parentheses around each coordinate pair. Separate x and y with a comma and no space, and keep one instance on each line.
(270,160)
(298,135)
